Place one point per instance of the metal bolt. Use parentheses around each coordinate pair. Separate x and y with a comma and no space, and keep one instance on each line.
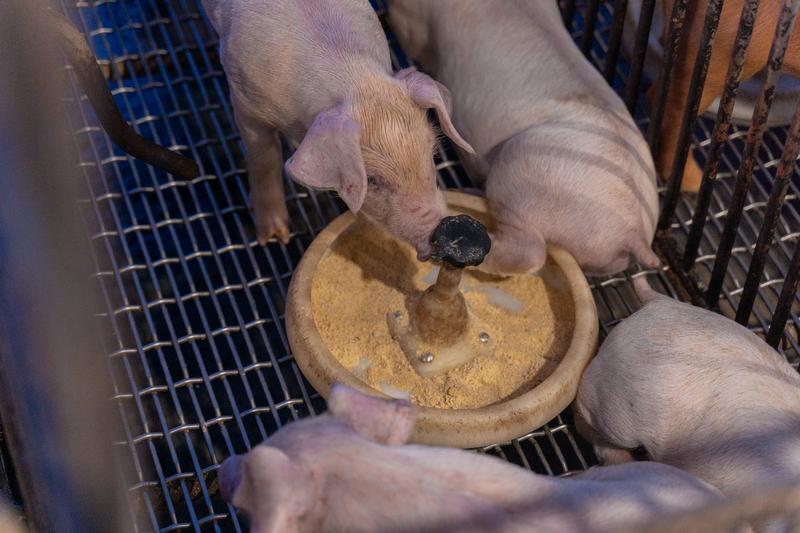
(484,337)
(426,357)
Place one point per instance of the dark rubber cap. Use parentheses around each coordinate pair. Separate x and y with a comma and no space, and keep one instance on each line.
(460,241)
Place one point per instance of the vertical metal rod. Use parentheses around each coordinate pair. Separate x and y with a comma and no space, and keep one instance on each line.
(783,31)
(720,133)
(589,23)
(696,85)
(771,216)
(639,54)
(785,300)
(615,40)
(670,52)
(568,14)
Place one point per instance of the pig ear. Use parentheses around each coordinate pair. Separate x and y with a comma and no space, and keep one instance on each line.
(383,421)
(267,486)
(430,94)
(330,158)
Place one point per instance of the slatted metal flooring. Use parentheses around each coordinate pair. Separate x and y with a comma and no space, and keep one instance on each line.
(200,364)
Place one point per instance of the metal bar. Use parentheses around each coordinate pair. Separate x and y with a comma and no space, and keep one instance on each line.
(615,39)
(6,474)
(677,19)
(785,300)
(783,31)
(720,133)
(751,223)
(639,54)
(685,283)
(699,72)
(589,24)
(568,13)
(786,168)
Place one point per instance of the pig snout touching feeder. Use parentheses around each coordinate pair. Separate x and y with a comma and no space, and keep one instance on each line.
(484,358)
(438,333)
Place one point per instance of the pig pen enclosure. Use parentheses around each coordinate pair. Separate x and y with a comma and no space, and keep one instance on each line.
(199,362)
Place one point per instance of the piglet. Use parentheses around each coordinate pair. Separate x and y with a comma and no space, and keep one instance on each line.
(562,159)
(696,391)
(350,470)
(319,72)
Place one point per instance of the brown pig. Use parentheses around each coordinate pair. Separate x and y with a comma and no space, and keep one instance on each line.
(319,72)
(562,159)
(756,60)
(697,391)
(350,470)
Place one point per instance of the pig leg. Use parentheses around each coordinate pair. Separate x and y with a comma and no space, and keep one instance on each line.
(515,250)
(265,170)
(606,453)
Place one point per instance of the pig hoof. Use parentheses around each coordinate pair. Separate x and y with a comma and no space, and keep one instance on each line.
(608,455)
(272,226)
(271,222)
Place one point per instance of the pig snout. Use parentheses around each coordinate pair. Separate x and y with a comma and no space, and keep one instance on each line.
(421,224)
(229,477)
(414,225)
(427,224)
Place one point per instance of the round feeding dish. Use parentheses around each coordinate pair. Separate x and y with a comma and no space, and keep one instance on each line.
(485,358)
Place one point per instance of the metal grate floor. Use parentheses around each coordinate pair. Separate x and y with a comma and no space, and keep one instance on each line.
(200,363)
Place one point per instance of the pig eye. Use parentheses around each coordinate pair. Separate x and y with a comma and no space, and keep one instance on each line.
(372,181)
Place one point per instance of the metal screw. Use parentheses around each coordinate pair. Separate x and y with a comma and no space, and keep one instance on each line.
(426,357)
(484,337)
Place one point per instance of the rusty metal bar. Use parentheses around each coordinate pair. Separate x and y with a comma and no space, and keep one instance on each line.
(639,54)
(720,133)
(698,81)
(785,300)
(615,39)
(589,24)
(677,19)
(744,176)
(686,284)
(771,216)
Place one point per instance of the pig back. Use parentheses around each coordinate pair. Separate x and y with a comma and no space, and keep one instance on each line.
(509,64)
(698,391)
(287,60)
(678,343)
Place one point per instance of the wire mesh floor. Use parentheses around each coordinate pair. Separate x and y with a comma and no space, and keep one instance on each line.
(199,359)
